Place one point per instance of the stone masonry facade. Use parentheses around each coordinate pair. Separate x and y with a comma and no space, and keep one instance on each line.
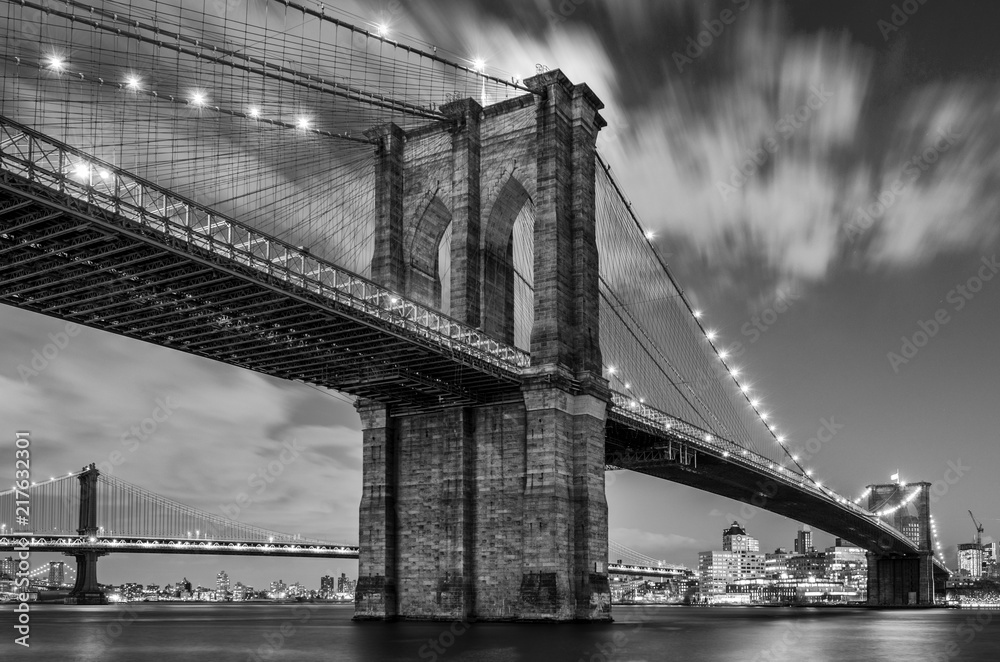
(495,512)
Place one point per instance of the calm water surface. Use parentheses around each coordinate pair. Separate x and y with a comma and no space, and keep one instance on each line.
(266,632)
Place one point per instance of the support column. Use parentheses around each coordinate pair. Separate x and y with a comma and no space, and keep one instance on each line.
(375,594)
(565,394)
(465,210)
(900,581)
(387,261)
(86,590)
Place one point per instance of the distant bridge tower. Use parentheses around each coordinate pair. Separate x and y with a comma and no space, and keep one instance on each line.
(86,590)
(494,509)
(900,580)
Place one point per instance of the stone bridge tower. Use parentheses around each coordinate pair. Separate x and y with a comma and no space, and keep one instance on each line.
(494,511)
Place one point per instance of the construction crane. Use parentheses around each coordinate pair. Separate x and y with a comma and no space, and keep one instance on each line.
(979,530)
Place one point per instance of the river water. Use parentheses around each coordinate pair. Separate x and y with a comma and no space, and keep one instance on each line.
(171,632)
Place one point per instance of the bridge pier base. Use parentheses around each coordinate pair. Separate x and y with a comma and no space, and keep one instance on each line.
(86,590)
(901,581)
(495,512)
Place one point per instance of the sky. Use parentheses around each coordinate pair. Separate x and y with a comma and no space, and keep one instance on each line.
(822,179)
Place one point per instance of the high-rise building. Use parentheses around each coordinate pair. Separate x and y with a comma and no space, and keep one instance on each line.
(8,567)
(970,559)
(278,589)
(804,540)
(776,563)
(221,585)
(735,539)
(345,584)
(740,558)
(57,573)
(847,563)
(910,527)
(327,586)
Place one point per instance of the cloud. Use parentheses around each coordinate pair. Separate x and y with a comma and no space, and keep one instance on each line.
(676,139)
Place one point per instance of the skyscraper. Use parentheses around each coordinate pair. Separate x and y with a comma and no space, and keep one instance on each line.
(804,540)
(221,585)
(735,539)
(970,559)
(8,567)
(740,558)
(327,586)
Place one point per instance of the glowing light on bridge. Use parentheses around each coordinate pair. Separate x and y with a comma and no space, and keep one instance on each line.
(479,64)
(133,82)
(199,99)
(56,63)
(302,122)
(253,112)
(697,314)
(710,334)
(382,29)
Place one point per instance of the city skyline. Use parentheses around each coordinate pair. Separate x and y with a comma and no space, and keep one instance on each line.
(814,312)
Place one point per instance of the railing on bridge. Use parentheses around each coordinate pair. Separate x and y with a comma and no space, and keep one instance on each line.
(628,407)
(129,518)
(60,167)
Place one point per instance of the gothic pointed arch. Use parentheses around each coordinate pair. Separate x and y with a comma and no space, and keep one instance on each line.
(423,239)
(507,264)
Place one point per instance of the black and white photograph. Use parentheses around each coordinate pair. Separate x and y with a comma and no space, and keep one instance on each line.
(510,331)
